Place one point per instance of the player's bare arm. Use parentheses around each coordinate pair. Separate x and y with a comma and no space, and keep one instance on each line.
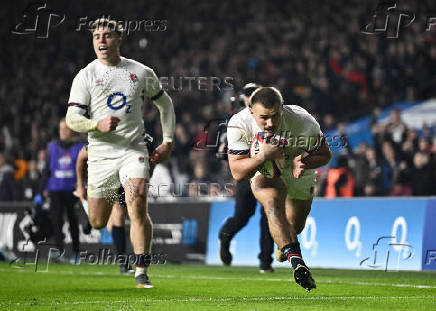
(244,167)
(168,121)
(311,160)
(80,191)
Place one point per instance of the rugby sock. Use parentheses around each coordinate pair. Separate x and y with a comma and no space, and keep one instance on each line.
(292,252)
(85,206)
(142,263)
(119,237)
(139,271)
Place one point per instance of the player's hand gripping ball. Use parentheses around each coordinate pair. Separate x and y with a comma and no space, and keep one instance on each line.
(270,168)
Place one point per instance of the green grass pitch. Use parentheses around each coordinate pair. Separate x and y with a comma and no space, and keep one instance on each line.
(198,287)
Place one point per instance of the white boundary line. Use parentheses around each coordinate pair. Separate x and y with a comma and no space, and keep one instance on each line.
(287,280)
(224,299)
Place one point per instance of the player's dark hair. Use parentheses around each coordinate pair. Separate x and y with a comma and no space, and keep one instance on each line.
(112,24)
(266,96)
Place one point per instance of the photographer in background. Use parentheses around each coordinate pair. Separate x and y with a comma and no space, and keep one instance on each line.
(245,203)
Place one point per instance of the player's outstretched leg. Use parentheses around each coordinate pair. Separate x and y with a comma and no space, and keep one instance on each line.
(296,213)
(302,274)
(271,193)
(141,230)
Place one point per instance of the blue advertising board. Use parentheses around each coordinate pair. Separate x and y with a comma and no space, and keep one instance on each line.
(356,233)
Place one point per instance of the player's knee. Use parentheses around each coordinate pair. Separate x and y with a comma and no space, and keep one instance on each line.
(272,203)
(139,217)
(97,223)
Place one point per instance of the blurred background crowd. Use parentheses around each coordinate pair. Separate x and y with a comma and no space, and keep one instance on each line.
(312,51)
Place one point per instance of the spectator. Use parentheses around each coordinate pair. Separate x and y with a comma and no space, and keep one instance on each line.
(370,189)
(340,181)
(199,184)
(389,167)
(375,181)
(31,181)
(360,169)
(8,188)
(397,128)
(422,177)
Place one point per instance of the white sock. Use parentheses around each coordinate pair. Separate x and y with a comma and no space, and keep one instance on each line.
(140,270)
(85,206)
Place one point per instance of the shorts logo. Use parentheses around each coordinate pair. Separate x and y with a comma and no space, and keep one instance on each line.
(141,159)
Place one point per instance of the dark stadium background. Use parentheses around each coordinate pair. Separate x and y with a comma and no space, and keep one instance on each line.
(313,51)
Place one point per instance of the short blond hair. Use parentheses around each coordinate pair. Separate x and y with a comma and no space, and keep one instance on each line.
(112,24)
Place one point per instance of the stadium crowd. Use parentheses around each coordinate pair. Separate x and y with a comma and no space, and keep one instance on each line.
(317,57)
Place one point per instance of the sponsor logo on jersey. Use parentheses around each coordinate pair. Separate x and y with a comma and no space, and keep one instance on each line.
(141,159)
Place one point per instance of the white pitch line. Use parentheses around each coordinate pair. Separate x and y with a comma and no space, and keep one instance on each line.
(170,276)
(376,284)
(224,299)
(287,280)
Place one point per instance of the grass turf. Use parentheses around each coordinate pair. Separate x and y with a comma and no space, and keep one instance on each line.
(197,287)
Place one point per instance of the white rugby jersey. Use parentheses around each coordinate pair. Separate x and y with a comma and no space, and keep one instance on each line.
(300,131)
(115,91)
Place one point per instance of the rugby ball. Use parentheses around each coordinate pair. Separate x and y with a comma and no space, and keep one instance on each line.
(270,168)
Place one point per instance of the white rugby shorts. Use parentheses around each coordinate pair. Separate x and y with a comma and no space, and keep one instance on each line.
(301,188)
(105,175)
